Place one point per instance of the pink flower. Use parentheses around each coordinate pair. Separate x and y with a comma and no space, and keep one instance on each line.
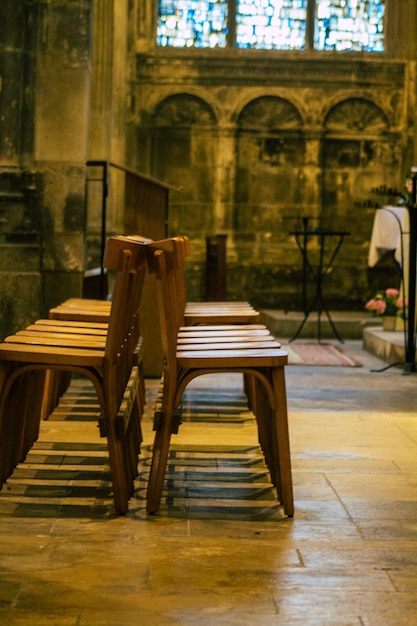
(370,305)
(380,307)
(376,305)
(386,302)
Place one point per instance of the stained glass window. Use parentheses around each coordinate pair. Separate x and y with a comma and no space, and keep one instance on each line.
(187,23)
(342,25)
(349,25)
(278,24)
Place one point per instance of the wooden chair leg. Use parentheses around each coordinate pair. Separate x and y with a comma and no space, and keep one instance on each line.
(124,448)
(55,385)
(121,488)
(159,463)
(249,385)
(133,440)
(261,409)
(20,411)
(280,440)
(31,402)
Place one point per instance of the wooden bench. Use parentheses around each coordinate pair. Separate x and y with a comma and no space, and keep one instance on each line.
(262,363)
(110,366)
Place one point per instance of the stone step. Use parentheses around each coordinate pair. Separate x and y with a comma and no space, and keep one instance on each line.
(348,324)
(387,346)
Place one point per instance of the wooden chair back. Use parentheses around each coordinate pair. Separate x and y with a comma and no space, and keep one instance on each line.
(127,256)
(163,262)
(175,252)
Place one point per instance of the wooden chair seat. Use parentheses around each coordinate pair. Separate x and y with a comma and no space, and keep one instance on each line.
(110,366)
(227,345)
(51,323)
(77,309)
(209,312)
(63,340)
(261,362)
(235,331)
(80,309)
(220,315)
(46,327)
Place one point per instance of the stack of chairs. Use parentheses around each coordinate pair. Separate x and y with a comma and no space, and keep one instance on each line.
(101,341)
(106,357)
(189,352)
(81,309)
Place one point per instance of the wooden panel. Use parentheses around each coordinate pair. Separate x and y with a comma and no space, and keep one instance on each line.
(146,213)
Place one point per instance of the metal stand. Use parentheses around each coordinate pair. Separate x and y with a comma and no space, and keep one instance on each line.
(318,274)
(410,347)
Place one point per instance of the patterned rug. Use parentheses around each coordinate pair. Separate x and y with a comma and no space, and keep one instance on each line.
(309,353)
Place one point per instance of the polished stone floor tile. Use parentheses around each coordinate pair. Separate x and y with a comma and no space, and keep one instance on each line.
(220,552)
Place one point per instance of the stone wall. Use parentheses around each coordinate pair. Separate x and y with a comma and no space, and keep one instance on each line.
(257,140)
(43,149)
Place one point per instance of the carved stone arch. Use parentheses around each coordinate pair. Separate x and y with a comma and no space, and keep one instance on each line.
(183,110)
(359,153)
(356,116)
(269,113)
(270,160)
(183,152)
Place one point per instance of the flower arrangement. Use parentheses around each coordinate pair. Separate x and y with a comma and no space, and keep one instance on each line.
(386,303)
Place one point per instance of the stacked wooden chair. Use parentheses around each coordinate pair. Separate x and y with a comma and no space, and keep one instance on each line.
(249,349)
(80,309)
(88,319)
(106,358)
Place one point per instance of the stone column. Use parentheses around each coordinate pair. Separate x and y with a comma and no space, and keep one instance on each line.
(11,71)
(109,105)
(61,119)
(20,282)
(400,27)
(225,177)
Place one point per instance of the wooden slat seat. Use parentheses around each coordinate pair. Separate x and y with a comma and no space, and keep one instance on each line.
(44,326)
(56,339)
(220,312)
(219,316)
(74,324)
(80,309)
(261,362)
(109,366)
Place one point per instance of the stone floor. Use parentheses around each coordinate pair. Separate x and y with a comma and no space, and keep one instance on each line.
(220,552)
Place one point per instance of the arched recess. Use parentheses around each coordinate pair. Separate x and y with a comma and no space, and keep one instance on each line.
(270,152)
(359,154)
(183,154)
